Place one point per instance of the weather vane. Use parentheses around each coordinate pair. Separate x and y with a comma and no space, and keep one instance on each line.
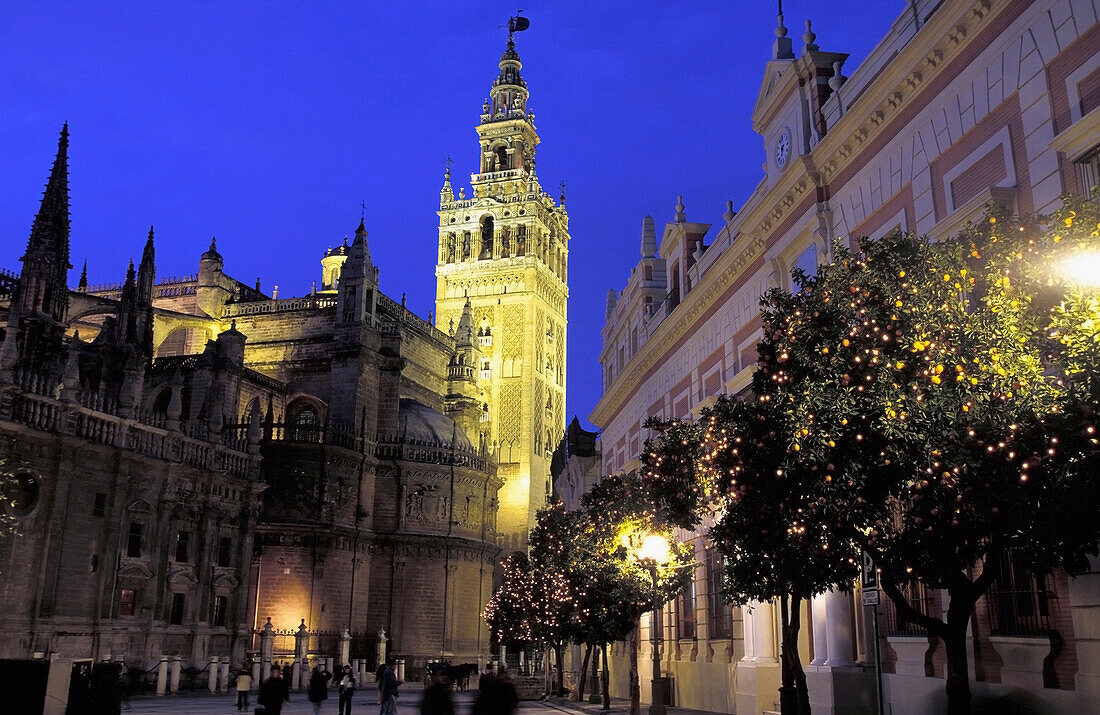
(519,23)
(448,163)
(362,210)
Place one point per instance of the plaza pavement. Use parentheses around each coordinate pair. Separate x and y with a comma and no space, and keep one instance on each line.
(364,703)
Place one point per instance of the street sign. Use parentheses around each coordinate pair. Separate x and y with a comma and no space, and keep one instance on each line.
(870,596)
(868,573)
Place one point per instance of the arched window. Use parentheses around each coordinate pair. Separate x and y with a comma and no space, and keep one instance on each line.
(503,160)
(304,425)
(486,238)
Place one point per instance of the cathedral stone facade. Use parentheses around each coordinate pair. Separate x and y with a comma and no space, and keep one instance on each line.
(190,460)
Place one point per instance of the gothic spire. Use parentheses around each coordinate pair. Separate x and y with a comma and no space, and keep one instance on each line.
(360,242)
(464,335)
(447,194)
(146,271)
(83,285)
(49,239)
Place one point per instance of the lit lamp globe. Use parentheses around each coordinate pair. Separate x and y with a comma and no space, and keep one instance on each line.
(654,548)
(1082,269)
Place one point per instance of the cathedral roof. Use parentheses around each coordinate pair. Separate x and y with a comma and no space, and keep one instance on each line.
(424,424)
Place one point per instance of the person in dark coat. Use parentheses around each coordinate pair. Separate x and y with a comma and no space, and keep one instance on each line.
(346,687)
(505,699)
(318,688)
(273,693)
(485,685)
(387,690)
(437,696)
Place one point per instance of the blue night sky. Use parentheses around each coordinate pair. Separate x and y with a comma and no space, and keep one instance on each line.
(265,125)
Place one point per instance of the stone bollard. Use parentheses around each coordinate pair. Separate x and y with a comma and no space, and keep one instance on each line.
(162,675)
(256,673)
(223,675)
(174,675)
(400,670)
(212,676)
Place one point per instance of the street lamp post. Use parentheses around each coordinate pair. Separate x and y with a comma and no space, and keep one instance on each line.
(657,706)
(653,553)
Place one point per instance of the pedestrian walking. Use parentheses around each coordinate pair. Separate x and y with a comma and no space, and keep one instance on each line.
(244,685)
(387,690)
(346,688)
(273,693)
(485,691)
(505,700)
(318,688)
(437,696)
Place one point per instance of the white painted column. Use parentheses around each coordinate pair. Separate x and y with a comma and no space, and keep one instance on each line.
(763,633)
(821,646)
(838,617)
(747,625)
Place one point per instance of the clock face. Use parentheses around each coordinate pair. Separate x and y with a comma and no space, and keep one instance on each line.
(783,149)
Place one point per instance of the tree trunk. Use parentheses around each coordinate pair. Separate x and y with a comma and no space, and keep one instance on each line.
(635,684)
(582,677)
(801,689)
(788,699)
(794,696)
(954,641)
(605,685)
(964,593)
(594,676)
(560,660)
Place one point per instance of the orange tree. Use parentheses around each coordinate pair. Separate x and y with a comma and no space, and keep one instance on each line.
(941,395)
(932,402)
(731,462)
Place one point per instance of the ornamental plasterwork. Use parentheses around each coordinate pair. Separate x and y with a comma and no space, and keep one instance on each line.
(921,70)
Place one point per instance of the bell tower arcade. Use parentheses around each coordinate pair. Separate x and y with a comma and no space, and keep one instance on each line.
(505,249)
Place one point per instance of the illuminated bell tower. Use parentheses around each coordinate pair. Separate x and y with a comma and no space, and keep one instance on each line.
(505,248)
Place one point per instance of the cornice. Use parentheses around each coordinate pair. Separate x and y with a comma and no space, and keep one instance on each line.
(882,100)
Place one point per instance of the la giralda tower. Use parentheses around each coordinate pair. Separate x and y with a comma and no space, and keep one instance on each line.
(501,289)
